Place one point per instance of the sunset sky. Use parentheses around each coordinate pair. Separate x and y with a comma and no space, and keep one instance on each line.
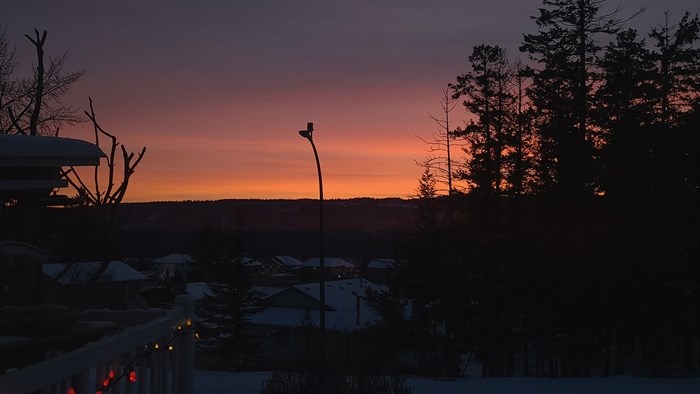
(217,90)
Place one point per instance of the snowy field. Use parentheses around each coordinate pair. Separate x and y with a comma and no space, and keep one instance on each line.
(251,383)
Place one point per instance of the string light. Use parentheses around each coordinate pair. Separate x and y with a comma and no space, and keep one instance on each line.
(129,372)
(132,375)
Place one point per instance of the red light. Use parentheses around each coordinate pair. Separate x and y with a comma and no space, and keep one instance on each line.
(132,376)
(106,382)
(111,374)
(71,390)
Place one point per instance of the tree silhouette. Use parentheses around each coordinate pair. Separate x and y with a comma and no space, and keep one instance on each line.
(32,106)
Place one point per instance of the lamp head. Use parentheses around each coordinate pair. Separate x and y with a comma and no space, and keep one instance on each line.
(308,133)
(305,133)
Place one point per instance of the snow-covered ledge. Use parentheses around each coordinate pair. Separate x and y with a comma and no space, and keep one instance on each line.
(160,353)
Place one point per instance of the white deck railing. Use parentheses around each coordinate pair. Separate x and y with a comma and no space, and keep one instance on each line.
(160,353)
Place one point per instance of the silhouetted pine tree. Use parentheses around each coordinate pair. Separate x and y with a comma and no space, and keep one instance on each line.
(226,342)
(566,47)
(485,89)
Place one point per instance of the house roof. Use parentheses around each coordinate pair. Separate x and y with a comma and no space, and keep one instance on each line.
(199,290)
(341,299)
(15,248)
(42,151)
(381,263)
(81,273)
(248,262)
(174,258)
(267,291)
(288,261)
(328,262)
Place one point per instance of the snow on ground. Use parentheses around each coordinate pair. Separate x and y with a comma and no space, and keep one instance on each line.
(251,382)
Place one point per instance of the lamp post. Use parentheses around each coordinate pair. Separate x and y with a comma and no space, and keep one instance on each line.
(308,134)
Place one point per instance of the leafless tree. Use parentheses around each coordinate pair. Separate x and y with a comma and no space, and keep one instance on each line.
(105,198)
(439,147)
(33,106)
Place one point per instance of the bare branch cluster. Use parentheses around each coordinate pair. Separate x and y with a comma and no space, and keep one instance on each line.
(112,195)
(33,105)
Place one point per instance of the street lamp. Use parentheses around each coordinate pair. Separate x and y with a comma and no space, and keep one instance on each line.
(308,134)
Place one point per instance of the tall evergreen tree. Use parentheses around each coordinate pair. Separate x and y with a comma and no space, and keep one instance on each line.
(677,61)
(677,57)
(624,115)
(523,150)
(486,94)
(566,47)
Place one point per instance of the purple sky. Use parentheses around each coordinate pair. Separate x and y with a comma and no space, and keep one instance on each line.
(218,89)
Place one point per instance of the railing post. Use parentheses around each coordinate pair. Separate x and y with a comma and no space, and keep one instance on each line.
(186,346)
(80,382)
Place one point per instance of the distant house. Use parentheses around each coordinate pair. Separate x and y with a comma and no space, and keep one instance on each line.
(378,270)
(288,261)
(252,267)
(289,314)
(346,306)
(334,267)
(116,286)
(173,262)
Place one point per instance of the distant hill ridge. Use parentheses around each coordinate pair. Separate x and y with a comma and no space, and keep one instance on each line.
(351,214)
(354,227)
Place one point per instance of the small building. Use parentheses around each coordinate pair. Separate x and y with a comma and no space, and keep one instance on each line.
(169,264)
(379,270)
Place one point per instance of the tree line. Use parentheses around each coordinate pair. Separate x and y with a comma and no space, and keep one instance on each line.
(567,241)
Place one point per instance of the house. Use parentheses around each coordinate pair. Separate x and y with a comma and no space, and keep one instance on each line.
(252,267)
(334,267)
(288,262)
(30,172)
(117,285)
(169,264)
(378,270)
(290,314)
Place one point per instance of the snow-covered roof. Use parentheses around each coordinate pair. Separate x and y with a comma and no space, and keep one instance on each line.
(174,258)
(288,261)
(42,151)
(16,248)
(199,290)
(341,299)
(381,263)
(328,262)
(248,262)
(267,291)
(81,273)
